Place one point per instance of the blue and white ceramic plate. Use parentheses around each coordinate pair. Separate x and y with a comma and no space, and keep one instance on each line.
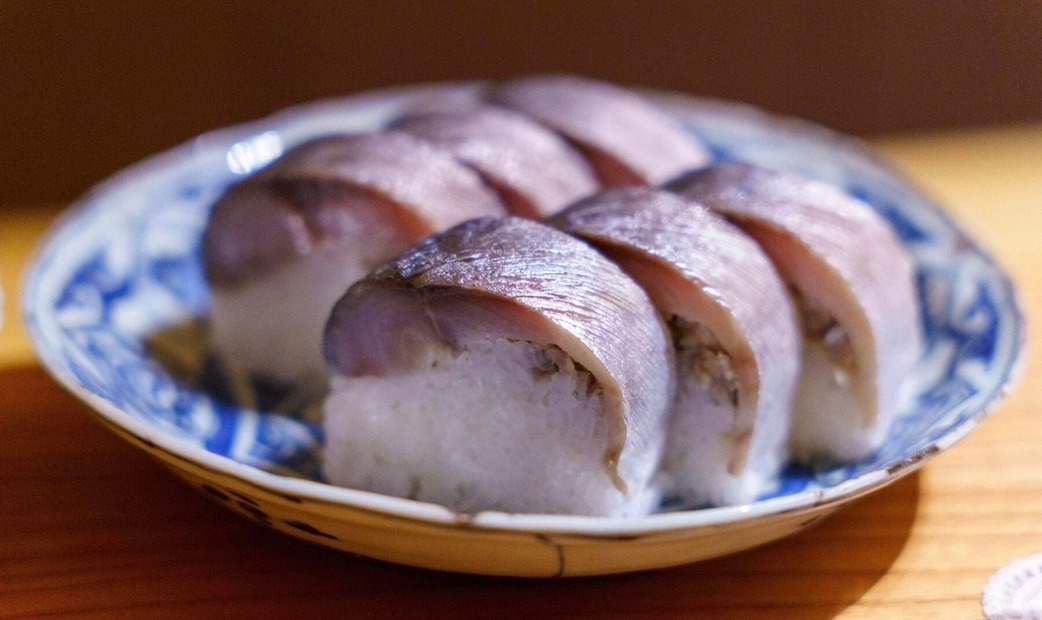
(117,306)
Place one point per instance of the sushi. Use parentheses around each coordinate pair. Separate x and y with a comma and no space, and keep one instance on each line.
(733,326)
(626,139)
(501,365)
(534,171)
(281,246)
(854,285)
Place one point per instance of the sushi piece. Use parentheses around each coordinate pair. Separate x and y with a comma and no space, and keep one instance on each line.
(534,171)
(501,365)
(735,332)
(282,246)
(854,286)
(626,139)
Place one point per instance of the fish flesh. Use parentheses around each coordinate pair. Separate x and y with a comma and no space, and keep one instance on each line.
(281,246)
(733,326)
(626,139)
(854,285)
(500,365)
(534,171)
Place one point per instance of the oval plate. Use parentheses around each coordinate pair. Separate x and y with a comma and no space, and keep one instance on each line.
(116,305)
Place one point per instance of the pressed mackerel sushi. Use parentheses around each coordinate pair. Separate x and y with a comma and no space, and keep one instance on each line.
(282,246)
(501,365)
(627,140)
(854,286)
(534,171)
(733,326)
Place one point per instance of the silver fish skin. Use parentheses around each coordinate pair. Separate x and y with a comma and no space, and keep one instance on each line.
(518,279)
(697,266)
(627,140)
(842,258)
(535,171)
(338,187)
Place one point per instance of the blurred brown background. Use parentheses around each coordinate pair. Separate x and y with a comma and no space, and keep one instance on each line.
(86,88)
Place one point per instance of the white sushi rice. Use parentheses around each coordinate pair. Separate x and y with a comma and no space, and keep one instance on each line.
(272,326)
(490,427)
(697,466)
(700,465)
(829,419)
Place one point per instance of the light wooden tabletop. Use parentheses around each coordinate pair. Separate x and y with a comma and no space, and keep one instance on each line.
(90,527)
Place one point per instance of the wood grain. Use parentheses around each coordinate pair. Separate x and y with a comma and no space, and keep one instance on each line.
(91,528)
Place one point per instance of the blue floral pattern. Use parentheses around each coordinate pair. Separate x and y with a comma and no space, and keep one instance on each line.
(117,299)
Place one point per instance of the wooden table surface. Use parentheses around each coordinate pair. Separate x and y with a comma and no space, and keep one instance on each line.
(91,527)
